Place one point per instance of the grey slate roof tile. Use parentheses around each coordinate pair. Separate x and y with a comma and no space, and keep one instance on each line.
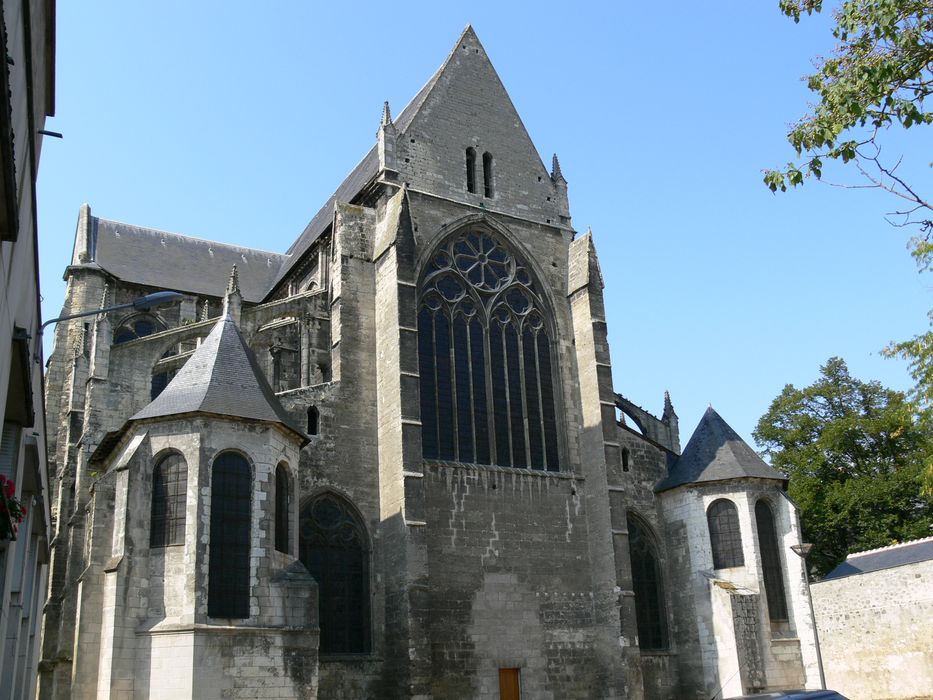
(884,558)
(221,378)
(180,263)
(716,453)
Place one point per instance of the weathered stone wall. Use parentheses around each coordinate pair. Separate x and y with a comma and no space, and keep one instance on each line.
(876,635)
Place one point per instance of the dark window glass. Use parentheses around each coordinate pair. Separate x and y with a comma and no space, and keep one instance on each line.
(724,534)
(169,495)
(313,418)
(650,613)
(332,547)
(228,572)
(136,327)
(487,175)
(481,321)
(471,170)
(281,508)
(772,571)
(625,458)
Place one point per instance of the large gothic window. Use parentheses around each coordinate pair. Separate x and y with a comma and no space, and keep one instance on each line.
(332,546)
(484,350)
(228,572)
(724,534)
(772,572)
(169,493)
(646,583)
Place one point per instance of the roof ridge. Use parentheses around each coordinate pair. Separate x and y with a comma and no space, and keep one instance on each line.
(890,547)
(188,237)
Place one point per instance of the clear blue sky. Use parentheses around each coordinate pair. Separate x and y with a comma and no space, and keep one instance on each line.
(234,121)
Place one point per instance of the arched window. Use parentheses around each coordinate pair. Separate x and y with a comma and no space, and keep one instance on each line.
(771,568)
(471,170)
(281,508)
(650,614)
(625,459)
(228,572)
(484,351)
(313,420)
(332,546)
(724,534)
(487,175)
(137,326)
(169,495)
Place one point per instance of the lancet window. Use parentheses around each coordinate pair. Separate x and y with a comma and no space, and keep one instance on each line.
(771,568)
(650,616)
(724,534)
(169,493)
(485,356)
(228,573)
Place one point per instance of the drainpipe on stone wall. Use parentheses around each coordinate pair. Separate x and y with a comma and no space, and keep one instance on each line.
(802,550)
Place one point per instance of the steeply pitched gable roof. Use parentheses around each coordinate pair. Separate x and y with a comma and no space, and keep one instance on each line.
(181,263)
(716,453)
(221,378)
(884,558)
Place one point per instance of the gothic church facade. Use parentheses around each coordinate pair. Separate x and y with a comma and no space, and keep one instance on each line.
(392,462)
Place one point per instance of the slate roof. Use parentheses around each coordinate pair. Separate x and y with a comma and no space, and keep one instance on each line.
(884,558)
(363,173)
(716,453)
(180,263)
(221,378)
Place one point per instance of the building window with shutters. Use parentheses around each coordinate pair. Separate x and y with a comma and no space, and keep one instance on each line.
(486,361)
(771,569)
(228,552)
(333,546)
(169,497)
(724,534)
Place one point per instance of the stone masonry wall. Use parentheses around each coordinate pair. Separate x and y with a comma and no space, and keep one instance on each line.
(876,635)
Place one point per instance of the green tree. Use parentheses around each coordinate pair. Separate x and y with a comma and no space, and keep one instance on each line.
(854,453)
(878,76)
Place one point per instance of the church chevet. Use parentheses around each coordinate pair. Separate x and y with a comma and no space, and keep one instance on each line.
(393,461)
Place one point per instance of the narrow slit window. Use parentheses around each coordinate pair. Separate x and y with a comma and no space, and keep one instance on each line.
(314,418)
(471,170)
(488,191)
(282,502)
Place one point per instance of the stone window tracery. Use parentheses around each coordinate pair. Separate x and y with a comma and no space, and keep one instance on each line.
(724,534)
(169,495)
(138,326)
(333,547)
(484,349)
(650,615)
(229,549)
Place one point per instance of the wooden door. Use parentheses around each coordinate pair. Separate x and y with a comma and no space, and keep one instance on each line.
(510,687)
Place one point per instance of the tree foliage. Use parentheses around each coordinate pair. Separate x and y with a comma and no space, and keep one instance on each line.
(878,76)
(855,454)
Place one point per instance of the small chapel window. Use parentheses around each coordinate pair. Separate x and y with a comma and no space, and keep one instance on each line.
(650,615)
(333,547)
(281,508)
(771,569)
(314,419)
(724,534)
(228,571)
(169,494)
(487,175)
(471,170)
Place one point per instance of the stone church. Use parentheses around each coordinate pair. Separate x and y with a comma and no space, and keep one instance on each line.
(392,461)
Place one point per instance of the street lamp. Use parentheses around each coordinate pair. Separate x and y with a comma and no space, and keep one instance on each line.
(150,301)
(803,550)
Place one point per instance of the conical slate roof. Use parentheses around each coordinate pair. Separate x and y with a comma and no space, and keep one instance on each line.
(716,453)
(222,378)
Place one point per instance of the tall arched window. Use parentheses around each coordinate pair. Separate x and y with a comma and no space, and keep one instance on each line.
(650,615)
(484,350)
(488,181)
(471,170)
(333,547)
(282,498)
(771,568)
(724,534)
(228,572)
(169,494)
